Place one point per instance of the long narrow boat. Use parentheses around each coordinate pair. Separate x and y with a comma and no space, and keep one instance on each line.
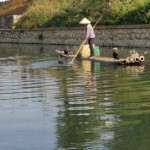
(123,61)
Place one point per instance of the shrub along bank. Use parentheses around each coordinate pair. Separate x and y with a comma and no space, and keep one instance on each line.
(68,13)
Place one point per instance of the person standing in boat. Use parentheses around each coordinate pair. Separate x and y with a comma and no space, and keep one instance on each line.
(90,35)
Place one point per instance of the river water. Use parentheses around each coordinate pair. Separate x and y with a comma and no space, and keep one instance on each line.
(86,106)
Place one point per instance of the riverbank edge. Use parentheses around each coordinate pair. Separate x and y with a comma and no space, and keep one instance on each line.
(112,35)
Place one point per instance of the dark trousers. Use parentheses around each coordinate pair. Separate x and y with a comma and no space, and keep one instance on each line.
(91,42)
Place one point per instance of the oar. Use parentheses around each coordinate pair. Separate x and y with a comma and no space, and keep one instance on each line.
(83,42)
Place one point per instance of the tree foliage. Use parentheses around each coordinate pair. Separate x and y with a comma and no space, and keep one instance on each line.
(55,13)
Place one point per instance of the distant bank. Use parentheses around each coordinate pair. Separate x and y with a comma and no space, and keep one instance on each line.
(125,35)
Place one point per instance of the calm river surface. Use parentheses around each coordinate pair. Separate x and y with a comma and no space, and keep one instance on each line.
(87,106)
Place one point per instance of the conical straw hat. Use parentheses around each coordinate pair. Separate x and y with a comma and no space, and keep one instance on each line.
(85,21)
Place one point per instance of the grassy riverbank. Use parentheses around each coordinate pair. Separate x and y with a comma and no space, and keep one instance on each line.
(59,13)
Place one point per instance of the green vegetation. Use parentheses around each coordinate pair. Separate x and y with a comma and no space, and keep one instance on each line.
(59,13)
(129,12)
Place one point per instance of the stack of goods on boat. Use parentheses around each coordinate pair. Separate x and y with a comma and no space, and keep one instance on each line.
(134,58)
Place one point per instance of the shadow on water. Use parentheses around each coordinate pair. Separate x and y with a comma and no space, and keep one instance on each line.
(89,105)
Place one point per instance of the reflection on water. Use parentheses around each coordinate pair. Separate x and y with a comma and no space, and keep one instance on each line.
(44,105)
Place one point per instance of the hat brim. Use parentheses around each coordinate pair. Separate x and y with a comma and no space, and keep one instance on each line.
(84,21)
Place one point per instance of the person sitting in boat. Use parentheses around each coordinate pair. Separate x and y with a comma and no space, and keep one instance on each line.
(90,35)
(115,53)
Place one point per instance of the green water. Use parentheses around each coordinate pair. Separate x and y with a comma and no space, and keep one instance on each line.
(87,106)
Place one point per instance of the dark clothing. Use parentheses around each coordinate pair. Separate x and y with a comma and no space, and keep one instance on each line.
(91,42)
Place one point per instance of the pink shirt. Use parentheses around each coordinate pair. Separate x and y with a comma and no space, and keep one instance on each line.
(90,32)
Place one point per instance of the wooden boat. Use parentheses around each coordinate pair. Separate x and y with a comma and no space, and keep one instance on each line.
(107,60)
